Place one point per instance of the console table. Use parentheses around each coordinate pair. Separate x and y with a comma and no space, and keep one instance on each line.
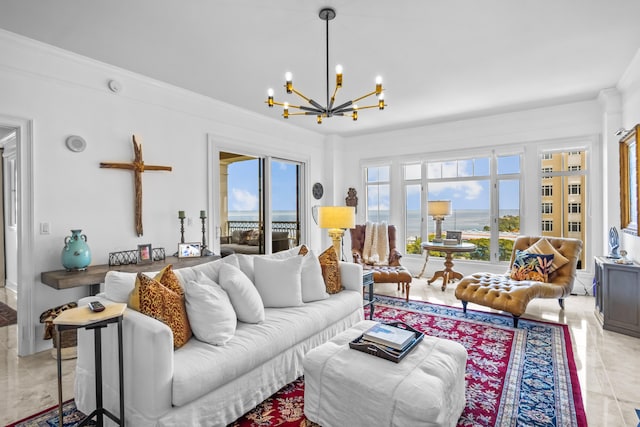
(618,296)
(94,275)
(447,274)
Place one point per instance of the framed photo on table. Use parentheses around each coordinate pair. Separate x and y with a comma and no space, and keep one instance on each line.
(145,254)
(189,250)
(455,235)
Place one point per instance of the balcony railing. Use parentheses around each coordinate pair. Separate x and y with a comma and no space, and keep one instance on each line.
(291,227)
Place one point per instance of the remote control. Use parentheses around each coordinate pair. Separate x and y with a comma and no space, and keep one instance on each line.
(96,306)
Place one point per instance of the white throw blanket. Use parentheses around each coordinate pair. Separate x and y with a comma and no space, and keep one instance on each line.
(376,243)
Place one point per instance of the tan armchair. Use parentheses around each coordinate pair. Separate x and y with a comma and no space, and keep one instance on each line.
(394,272)
(500,292)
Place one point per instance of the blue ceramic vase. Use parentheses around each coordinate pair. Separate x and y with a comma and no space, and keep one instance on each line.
(76,254)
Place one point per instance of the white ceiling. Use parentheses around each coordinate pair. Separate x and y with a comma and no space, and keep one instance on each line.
(440,60)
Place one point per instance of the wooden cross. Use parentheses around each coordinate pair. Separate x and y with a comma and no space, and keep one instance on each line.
(138,167)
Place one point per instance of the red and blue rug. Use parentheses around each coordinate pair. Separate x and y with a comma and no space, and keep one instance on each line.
(515,377)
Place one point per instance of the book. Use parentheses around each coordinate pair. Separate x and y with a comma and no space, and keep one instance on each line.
(389,336)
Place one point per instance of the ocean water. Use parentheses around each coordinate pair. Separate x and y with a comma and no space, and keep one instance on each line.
(462,220)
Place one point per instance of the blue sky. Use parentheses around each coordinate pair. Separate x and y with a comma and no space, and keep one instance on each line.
(467,194)
(243,186)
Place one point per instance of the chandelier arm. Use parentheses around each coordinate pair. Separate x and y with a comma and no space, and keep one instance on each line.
(369,106)
(294,90)
(333,98)
(343,106)
(364,96)
(313,110)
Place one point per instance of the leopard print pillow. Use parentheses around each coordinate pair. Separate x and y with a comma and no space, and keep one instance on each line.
(330,270)
(160,302)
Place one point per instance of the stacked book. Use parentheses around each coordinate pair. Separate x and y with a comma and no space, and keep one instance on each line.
(396,340)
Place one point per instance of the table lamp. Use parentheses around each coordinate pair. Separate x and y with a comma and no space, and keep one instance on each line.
(337,219)
(438,209)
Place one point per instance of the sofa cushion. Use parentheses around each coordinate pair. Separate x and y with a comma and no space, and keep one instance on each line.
(245,299)
(200,368)
(528,266)
(160,302)
(542,247)
(330,270)
(313,288)
(165,277)
(210,312)
(118,285)
(279,281)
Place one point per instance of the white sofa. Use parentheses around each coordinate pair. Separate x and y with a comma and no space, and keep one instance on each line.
(203,384)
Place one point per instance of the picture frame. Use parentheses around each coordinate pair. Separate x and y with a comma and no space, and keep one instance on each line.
(189,250)
(629,182)
(455,235)
(145,254)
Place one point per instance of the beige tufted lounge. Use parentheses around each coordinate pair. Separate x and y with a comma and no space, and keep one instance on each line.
(500,292)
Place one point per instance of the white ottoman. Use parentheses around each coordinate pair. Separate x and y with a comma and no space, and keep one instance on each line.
(343,386)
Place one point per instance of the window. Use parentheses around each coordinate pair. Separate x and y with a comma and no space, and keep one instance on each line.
(568,202)
(574,207)
(547,190)
(547,170)
(547,208)
(574,188)
(485,199)
(413,206)
(378,195)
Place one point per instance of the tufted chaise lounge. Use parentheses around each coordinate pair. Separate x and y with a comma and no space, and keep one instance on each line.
(500,292)
(394,272)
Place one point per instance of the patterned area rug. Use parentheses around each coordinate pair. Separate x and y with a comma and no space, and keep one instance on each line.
(515,377)
(8,315)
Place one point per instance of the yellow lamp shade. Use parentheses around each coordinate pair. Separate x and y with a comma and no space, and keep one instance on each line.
(439,208)
(337,217)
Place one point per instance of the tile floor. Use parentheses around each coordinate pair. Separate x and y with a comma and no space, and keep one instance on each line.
(607,362)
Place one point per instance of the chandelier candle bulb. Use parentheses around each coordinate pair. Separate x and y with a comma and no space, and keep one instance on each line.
(381,101)
(338,75)
(270,97)
(319,119)
(355,112)
(289,79)
(286,110)
(378,85)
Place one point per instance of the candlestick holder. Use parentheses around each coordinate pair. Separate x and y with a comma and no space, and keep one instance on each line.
(204,250)
(181,218)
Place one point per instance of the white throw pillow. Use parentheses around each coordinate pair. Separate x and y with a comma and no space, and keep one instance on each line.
(245,264)
(279,281)
(313,287)
(118,285)
(210,312)
(244,297)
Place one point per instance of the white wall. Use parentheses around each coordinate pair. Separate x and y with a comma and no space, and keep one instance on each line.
(629,86)
(65,94)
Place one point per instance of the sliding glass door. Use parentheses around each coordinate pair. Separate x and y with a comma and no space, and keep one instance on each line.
(259,203)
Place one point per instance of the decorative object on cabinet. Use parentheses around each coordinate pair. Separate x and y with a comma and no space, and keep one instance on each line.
(203,248)
(352,198)
(618,296)
(138,167)
(614,243)
(145,255)
(188,250)
(629,182)
(76,255)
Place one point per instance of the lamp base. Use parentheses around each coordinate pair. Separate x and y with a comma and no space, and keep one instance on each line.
(336,236)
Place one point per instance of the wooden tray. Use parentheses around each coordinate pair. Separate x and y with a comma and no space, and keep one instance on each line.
(387,352)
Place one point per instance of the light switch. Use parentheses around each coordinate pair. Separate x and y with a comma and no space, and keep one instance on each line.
(45,228)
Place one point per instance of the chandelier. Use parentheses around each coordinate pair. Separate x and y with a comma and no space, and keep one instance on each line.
(346,109)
